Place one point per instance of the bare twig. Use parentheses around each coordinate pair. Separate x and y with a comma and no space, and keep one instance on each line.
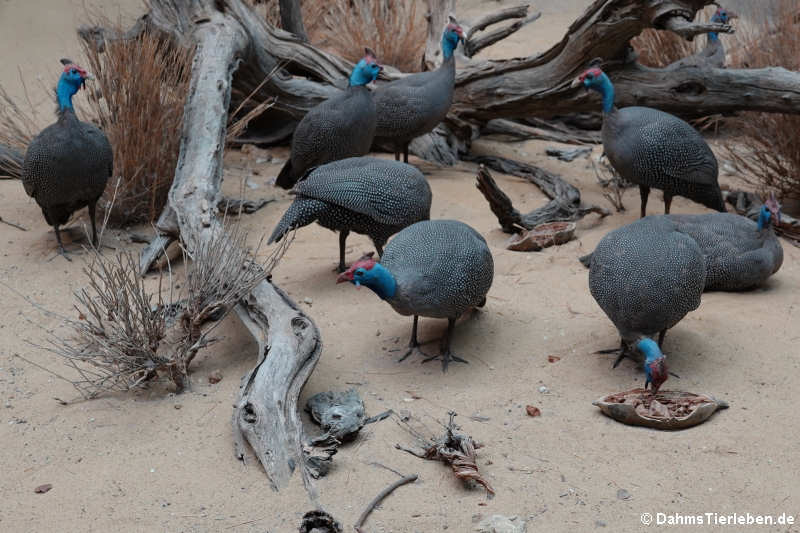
(381,495)
(13,225)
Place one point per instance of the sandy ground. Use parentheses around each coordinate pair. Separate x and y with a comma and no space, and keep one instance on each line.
(154,461)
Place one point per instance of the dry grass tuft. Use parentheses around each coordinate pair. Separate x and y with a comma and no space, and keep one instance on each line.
(395,29)
(142,86)
(767,148)
(126,337)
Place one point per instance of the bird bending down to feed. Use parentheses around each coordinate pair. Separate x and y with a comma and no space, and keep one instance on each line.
(740,254)
(713,54)
(414,105)
(655,149)
(339,127)
(68,163)
(646,277)
(434,268)
(371,196)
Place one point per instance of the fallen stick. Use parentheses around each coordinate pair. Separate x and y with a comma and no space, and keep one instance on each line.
(381,495)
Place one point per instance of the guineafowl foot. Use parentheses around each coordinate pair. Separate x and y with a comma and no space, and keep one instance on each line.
(413,344)
(446,357)
(413,350)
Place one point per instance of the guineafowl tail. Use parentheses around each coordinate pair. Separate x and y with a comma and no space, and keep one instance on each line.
(713,199)
(286,178)
(586,260)
(301,213)
(10,162)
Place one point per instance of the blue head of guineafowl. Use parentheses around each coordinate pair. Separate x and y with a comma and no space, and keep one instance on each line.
(722,16)
(597,80)
(655,364)
(770,213)
(452,34)
(366,70)
(70,82)
(370,273)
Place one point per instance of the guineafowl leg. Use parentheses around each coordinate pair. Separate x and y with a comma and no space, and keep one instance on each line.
(446,356)
(405,153)
(379,247)
(622,351)
(92,207)
(397,149)
(644,191)
(413,344)
(342,239)
(661,337)
(667,202)
(61,251)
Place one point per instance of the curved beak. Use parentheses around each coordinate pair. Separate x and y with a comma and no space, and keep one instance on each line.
(577,82)
(344,277)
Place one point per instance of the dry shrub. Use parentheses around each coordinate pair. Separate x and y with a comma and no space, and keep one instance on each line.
(767,147)
(125,336)
(395,29)
(141,85)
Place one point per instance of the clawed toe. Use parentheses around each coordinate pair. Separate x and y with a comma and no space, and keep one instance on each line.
(411,350)
(446,357)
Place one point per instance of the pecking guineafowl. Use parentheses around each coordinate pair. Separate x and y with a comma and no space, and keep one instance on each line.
(340,127)
(366,195)
(414,105)
(655,149)
(67,165)
(646,277)
(434,268)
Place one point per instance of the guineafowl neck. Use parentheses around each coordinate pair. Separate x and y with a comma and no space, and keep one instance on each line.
(382,283)
(713,37)
(64,94)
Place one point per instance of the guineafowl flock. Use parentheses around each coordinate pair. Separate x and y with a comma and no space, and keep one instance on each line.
(645,276)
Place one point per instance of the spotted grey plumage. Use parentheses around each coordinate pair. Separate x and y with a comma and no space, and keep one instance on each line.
(338,128)
(10,161)
(371,196)
(652,148)
(646,277)
(416,104)
(434,268)
(738,255)
(67,165)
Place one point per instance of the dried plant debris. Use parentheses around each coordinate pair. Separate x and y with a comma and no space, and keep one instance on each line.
(568,155)
(452,448)
(319,522)
(501,524)
(318,455)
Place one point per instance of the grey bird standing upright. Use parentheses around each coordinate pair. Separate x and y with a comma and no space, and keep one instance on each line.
(434,268)
(713,54)
(655,149)
(371,196)
(646,277)
(67,165)
(414,105)
(338,128)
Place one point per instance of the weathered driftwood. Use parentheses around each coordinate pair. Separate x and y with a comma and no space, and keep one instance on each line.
(265,414)
(292,18)
(543,130)
(474,44)
(565,203)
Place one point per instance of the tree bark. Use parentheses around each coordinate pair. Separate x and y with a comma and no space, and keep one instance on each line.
(292,18)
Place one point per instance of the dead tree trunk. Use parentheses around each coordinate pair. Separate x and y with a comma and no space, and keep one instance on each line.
(292,18)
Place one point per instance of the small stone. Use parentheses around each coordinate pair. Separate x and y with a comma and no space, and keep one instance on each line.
(543,389)
(308,300)
(500,524)
(215,377)
(41,489)
(623,494)
(177,406)
(532,411)
(600,523)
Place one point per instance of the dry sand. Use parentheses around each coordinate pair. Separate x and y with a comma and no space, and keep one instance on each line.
(154,461)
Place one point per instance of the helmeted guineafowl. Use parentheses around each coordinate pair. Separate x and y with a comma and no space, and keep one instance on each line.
(67,165)
(740,254)
(414,105)
(340,127)
(434,268)
(371,196)
(10,162)
(655,149)
(646,277)
(713,54)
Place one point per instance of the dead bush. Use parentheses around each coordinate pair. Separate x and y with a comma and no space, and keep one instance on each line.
(659,48)
(766,147)
(140,89)
(395,29)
